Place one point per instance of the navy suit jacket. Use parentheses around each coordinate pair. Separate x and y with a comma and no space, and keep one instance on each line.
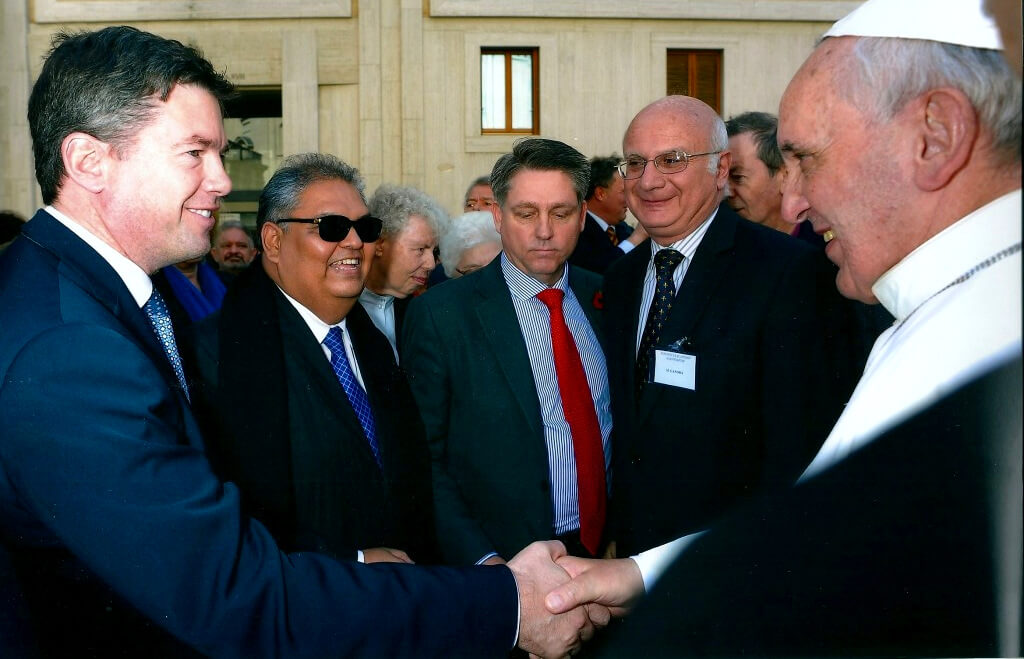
(470,374)
(594,251)
(911,546)
(122,540)
(775,363)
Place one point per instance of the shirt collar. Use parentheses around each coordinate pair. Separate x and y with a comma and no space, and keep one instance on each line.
(318,327)
(600,222)
(687,246)
(377,300)
(135,278)
(952,252)
(523,286)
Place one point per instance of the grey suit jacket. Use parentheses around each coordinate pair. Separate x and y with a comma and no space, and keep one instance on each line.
(470,374)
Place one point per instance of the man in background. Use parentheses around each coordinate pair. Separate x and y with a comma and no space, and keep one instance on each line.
(233,249)
(605,236)
(509,375)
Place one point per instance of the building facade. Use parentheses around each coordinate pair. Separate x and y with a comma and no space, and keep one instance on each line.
(415,91)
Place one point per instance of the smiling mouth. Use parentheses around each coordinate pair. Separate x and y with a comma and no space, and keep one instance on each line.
(205,212)
(350,261)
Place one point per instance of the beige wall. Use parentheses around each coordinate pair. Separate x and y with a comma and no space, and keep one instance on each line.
(393,85)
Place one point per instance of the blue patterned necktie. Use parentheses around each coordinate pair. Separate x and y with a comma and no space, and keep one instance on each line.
(665,262)
(160,319)
(356,396)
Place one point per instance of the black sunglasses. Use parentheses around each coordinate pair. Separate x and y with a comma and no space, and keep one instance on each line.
(334,228)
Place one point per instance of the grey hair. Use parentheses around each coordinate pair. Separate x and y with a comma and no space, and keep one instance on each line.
(719,142)
(395,204)
(479,180)
(466,232)
(231,224)
(537,153)
(282,192)
(763,128)
(888,73)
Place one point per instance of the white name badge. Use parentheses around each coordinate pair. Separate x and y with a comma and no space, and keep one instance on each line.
(676,369)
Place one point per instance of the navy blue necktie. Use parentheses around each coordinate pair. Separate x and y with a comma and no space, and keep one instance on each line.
(160,320)
(356,396)
(665,262)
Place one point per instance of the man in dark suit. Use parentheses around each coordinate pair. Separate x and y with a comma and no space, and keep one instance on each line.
(519,449)
(729,362)
(904,535)
(118,537)
(605,236)
(318,475)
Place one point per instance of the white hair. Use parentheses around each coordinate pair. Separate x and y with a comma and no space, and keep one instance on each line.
(465,232)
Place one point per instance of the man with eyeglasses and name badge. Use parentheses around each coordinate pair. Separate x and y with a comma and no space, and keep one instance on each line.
(302,402)
(727,357)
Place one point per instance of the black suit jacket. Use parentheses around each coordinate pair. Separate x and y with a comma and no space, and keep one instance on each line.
(303,463)
(471,376)
(594,251)
(122,540)
(911,546)
(775,363)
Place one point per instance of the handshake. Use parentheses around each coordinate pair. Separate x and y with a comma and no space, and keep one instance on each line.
(563,599)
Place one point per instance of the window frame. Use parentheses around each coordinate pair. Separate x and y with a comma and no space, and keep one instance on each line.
(508,52)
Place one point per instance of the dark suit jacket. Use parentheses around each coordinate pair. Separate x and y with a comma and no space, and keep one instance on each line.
(594,251)
(123,541)
(303,463)
(470,373)
(774,367)
(908,547)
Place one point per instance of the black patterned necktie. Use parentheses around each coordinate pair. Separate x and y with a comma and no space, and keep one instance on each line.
(665,262)
(160,320)
(612,236)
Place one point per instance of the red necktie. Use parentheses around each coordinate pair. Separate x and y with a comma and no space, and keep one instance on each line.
(578,408)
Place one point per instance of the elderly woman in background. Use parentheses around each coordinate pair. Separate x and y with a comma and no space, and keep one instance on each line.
(470,243)
(405,254)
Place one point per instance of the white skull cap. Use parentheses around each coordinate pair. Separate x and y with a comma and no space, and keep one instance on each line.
(959,22)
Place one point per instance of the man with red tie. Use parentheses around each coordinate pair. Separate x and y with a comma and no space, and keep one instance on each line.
(508,372)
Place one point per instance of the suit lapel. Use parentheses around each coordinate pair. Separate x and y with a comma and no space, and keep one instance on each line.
(86,268)
(630,283)
(500,326)
(705,273)
(339,419)
(378,370)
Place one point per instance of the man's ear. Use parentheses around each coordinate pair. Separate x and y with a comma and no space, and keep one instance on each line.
(270,235)
(85,160)
(600,192)
(948,130)
(496,212)
(722,173)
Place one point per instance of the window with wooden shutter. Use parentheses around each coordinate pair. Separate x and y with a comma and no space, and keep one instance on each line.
(696,73)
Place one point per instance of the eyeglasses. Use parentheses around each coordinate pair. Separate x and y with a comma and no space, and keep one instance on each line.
(672,162)
(334,228)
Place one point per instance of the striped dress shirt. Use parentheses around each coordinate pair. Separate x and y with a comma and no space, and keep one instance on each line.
(535,324)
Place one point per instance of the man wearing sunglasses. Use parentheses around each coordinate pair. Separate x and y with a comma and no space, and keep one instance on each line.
(331,461)
(727,359)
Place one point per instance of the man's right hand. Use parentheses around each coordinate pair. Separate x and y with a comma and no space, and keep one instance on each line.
(612,583)
(541,633)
